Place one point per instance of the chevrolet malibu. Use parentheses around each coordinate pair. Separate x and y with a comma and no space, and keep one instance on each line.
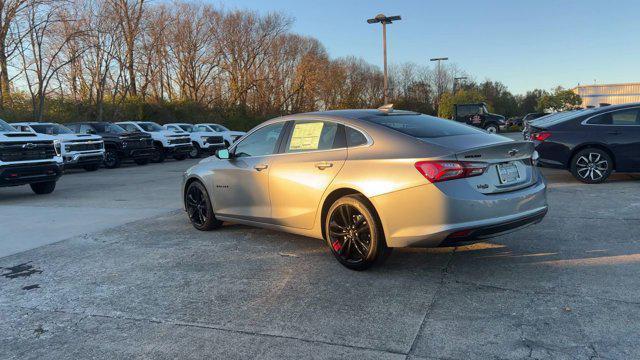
(368,181)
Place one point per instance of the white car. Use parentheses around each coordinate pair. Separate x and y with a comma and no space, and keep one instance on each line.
(229,136)
(203,139)
(78,150)
(28,158)
(166,142)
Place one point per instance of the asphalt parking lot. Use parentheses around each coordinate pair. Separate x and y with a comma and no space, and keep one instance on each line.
(108,266)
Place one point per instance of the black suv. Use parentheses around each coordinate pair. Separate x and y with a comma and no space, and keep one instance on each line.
(119,144)
(477,115)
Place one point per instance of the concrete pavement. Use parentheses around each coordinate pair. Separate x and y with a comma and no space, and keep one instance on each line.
(148,285)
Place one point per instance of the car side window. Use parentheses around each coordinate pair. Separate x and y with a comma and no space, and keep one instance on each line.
(129,127)
(199,128)
(85,129)
(261,142)
(73,127)
(622,117)
(355,137)
(312,135)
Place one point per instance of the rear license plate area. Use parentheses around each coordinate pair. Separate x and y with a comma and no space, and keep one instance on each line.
(508,173)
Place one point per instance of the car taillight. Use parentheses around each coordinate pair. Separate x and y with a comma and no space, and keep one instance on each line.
(444,170)
(541,136)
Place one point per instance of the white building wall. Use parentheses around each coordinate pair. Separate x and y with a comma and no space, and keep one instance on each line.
(594,95)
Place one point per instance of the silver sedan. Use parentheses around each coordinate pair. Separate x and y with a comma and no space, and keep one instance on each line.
(368,181)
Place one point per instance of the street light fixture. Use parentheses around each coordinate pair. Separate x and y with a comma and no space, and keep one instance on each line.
(384,20)
(439,75)
(455,82)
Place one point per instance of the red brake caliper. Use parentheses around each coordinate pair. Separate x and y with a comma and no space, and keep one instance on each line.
(336,245)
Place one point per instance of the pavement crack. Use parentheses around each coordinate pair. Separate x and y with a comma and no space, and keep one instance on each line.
(85,315)
(427,313)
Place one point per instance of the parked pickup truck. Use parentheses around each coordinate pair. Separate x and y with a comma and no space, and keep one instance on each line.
(203,140)
(27,158)
(78,150)
(477,115)
(165,142)
(119,144)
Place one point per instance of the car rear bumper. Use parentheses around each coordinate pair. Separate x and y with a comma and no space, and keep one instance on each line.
(22,174)
(426,215)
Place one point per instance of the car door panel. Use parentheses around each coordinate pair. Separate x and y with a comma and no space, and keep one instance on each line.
(299,177)
(241,189)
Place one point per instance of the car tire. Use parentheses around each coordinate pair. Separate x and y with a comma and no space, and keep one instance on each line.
(354,233)
(92,167)
(158,154)
(111,159)
(180,157)
(199,208)
(141,161)
(492,128)
(195,153)
(43,188)
(591,165)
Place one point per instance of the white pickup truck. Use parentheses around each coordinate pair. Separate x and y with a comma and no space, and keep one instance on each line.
(27,158)
(78,150)
(166,142)
(203,139)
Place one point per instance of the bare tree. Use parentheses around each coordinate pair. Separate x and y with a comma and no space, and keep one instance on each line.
(10,11)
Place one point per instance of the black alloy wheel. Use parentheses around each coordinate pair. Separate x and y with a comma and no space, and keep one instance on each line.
(591,165)
(158,154)
(111,158)
(43,188)
(199,208)
(354,234)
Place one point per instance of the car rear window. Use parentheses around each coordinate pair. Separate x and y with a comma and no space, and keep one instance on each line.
(423,126)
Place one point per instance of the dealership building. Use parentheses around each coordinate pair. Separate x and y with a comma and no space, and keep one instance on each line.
(594,95)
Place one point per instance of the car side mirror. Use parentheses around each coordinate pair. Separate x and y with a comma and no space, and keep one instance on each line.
(223,154)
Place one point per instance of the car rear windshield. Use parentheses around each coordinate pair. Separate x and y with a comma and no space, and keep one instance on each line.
(423,126)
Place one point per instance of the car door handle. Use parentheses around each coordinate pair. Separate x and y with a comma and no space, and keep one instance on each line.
(324,165)
(261,167)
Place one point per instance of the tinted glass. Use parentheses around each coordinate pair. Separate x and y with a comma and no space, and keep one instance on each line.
(312,135)
(129,127)
(74,127)
(261,142)
(622,117)
(355,137)
(187,128)
(150,126)
(109,128)
(423,126)
(218,128)
(4,127)
(51,129)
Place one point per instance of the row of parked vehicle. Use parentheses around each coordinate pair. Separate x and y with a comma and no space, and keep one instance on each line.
(36,153)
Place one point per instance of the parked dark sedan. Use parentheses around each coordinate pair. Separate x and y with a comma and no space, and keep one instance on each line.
(591,143)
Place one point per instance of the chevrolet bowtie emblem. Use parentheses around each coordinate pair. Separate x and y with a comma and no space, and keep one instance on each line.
(29,146)
(513,152)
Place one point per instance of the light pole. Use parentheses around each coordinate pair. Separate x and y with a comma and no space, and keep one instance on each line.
(381,18)
(439,74)
(455,82)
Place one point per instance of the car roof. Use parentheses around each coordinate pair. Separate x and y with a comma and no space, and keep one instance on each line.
(29,123)
(360,114)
